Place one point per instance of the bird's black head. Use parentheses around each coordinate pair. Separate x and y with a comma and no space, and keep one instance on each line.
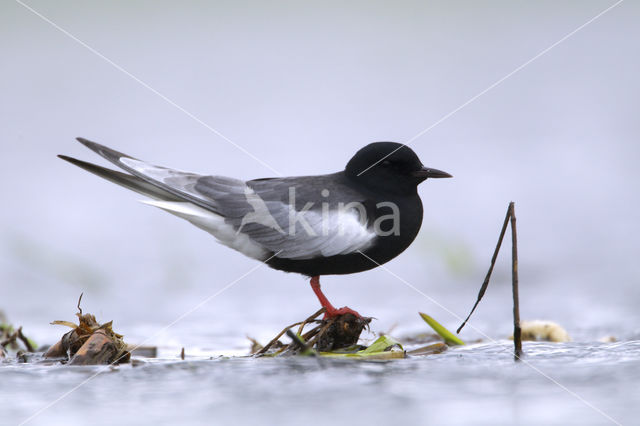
(390,166)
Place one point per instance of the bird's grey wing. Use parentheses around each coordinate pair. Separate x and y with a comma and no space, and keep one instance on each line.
(260,213)
(301,228)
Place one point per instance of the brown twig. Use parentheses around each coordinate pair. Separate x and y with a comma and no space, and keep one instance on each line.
(9,340)
(517,331)
(275,339)
(311,318)
(310,333)
(321,330)
(25,341)
(78,305)
(485,283)
(510,218)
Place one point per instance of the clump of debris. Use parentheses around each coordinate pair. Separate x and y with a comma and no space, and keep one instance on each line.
(89,342)
(338,337)
(13,340)
(327,335)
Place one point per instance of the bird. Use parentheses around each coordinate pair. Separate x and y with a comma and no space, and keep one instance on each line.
(340,223)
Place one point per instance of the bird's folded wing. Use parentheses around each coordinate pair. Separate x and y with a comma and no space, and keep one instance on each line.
(295,229)
(261,211)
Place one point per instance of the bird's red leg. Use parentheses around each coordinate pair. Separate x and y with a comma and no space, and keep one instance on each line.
(330,311)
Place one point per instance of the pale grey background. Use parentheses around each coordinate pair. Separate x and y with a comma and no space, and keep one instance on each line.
(302,87)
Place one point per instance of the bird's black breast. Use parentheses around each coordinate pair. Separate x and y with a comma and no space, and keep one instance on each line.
(385,246)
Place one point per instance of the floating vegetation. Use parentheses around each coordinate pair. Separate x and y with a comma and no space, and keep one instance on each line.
(343,333)
(546,331)
(89,342)
(13,340)
(385,347)
(449,338)
(327,335)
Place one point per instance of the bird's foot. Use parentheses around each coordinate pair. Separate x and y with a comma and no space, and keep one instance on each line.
(333,312)
(329,311)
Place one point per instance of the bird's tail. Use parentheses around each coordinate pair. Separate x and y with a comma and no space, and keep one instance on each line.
(131,182)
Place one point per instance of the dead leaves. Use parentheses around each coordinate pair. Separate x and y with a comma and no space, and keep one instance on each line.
(89,342)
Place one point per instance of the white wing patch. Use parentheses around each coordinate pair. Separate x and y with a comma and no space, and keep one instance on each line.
(328,234)
(213,224)
(352,235)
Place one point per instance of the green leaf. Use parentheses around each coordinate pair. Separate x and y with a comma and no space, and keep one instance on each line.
(382,344)
(372,356)
(449,338)
(381,349)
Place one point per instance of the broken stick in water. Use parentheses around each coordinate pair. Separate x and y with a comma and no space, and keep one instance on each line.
(517,331)
(510,218)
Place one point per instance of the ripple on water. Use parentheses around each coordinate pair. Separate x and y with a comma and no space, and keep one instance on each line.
(477,384)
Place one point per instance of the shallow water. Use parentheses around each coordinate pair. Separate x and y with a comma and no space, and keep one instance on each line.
(568,383)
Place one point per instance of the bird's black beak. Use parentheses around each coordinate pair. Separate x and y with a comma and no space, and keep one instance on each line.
(427,172)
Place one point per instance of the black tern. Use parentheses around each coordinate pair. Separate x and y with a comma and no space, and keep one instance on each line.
(339,223)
